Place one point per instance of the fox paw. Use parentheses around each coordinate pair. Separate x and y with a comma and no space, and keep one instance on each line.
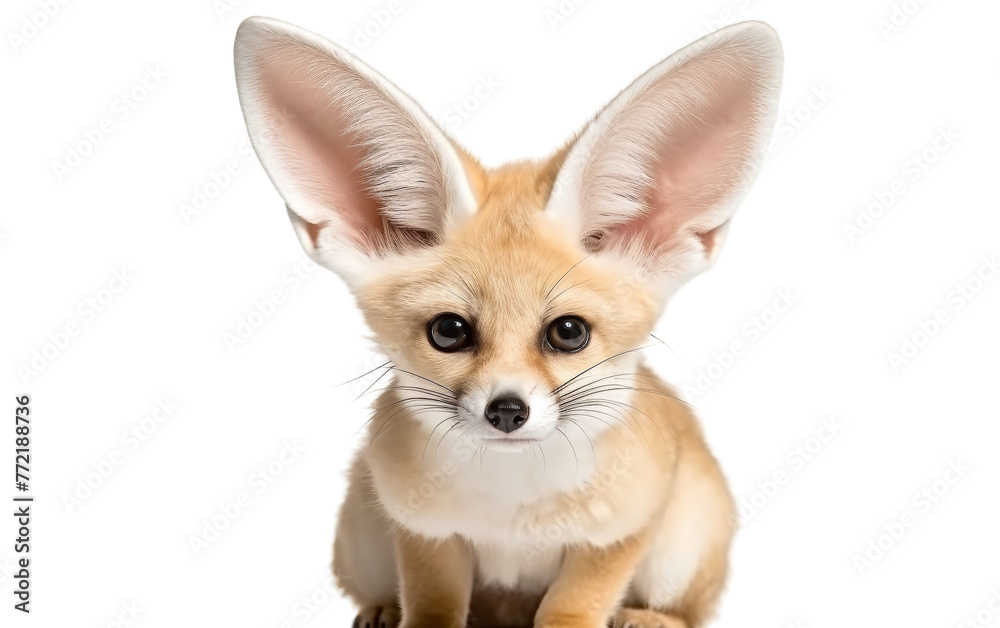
(645,618)
(377,617)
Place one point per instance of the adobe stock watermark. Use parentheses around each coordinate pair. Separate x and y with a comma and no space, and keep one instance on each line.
(985,615)
(463,450)
(575,161)
(308,605)
(77,151)
(955,300)
(560,13)
(8,567)
(923,502)
(127,614)
(33,23)
(264,308)
(433,480)
(885,197)
(380,20)
(375,368)
(57,342)
(666,592)
(795,461)
(225,8)
(132,439)
(456,115)
(751,332)
(791,121)
(212,185)
(898,16)
(258,482)
(724,15)
(551,534)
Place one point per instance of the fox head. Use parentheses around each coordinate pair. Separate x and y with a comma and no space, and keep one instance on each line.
(504,297)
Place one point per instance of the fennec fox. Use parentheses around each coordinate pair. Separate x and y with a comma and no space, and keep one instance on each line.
(522,466)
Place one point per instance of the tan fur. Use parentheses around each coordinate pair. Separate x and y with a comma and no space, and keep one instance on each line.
(598,501)
(436,580)
(630,617)
(507,254)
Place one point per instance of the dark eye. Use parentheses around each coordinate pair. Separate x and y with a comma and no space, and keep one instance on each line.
(449,332)
(568,333)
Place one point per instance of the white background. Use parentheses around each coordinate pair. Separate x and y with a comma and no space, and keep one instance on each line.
(887,94)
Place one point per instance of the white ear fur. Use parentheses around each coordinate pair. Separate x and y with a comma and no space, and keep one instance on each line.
(364,172)
(656,176)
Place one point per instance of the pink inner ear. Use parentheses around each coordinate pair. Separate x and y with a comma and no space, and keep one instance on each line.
(309,128)
(700,158)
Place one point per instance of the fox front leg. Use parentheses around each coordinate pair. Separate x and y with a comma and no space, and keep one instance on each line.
(590,584)
(435,581)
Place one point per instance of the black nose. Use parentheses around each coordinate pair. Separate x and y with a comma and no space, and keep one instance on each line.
(507,413)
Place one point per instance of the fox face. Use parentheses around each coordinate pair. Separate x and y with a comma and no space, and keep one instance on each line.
(506,297)
(503,315)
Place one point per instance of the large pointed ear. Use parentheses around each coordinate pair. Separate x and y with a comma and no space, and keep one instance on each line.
(364,172)
(657,175)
